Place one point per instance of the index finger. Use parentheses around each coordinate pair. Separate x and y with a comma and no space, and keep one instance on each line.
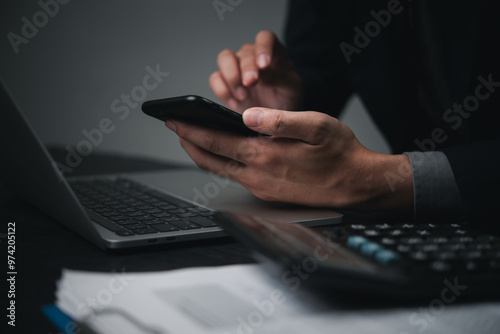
(264,47)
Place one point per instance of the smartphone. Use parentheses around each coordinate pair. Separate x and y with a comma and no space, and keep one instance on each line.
(198,110)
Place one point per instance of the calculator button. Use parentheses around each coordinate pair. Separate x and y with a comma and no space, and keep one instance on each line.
(388,241)
(371,233)
(355,242)
(440,266)
(419,256)
(369,248)
(386,256)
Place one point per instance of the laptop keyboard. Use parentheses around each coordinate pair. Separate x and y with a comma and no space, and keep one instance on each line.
(129,208)
(437,248)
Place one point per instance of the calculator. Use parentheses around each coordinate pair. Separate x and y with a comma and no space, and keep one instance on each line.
(391,259)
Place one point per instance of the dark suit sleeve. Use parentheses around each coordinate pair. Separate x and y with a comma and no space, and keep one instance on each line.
(477,172)
(312,37)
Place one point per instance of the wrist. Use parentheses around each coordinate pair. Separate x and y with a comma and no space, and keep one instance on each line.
(383,182)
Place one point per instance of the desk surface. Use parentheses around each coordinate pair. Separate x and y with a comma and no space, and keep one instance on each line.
(44,247)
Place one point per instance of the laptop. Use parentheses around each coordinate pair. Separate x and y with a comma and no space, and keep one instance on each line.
(133,209)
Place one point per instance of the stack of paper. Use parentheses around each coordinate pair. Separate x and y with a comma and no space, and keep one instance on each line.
(243,299)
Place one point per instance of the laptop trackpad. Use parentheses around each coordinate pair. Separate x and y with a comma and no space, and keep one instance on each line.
(219,193)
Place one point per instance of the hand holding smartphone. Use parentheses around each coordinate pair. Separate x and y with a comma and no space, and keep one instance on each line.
(198,110)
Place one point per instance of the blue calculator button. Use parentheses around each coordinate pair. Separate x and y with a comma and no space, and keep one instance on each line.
(386,256)
(369,248)
(356,241)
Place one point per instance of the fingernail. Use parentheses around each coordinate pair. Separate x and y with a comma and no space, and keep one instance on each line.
(253,117)
(231,103)
(241,93)
(249,77)
(263,60)
(171,125)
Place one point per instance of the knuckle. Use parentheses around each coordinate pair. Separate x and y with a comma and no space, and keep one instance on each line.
(246,152)
(262,160)
(278,123)
(211,144)
(320,130)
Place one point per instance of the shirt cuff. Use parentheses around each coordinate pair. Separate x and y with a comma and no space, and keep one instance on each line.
(435,190)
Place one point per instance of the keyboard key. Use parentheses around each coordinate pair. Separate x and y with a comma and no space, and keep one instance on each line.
(186,215)
(145,230)
(125,233)
(203,221)
(176,211)
(164,227)
(118,217)
(143,217)
(206,213)
(162,215)
(133,226)
(150,211)
(153,221)
(184,224)
(102,210)
(127,222)
(126,209)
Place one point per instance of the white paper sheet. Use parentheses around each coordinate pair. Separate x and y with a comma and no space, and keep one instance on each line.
(244,299)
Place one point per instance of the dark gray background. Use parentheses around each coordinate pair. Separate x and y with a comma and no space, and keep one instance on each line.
(66,77)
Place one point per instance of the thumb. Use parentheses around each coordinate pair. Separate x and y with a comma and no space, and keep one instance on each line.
(308,126)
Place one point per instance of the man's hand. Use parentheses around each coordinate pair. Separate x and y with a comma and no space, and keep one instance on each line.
(309,158)
(258,74)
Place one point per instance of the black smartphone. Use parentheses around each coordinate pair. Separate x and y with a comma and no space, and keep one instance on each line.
(197,110)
